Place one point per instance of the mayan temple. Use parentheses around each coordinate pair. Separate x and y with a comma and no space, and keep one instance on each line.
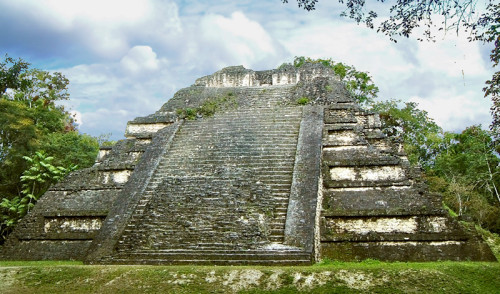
(247,167)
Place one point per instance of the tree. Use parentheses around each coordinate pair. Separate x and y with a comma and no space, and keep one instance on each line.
(39,142)
(358,83)
(464,167)
(70,148)
(31,121)
(470,168)
(405,16)
(9,74)
(471,156)
(491,22)
(420,135)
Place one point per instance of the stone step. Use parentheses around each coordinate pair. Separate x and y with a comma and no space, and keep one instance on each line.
(264,131)
(259,145)
(220,255)
(277,140)
(220,156)
(222,261)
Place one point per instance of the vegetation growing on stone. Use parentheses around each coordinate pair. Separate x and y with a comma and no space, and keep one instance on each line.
(358,83)
(187,113)
(209,107)
(406,18)
(469,192)
(303,101)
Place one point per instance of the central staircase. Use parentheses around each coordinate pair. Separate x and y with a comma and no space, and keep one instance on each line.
(220,193)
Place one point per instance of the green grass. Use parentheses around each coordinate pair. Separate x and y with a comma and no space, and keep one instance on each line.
(6,263)
(370,276)
(303,101)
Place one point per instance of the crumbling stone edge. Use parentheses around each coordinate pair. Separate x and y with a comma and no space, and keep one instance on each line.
(301,214)
(126,203)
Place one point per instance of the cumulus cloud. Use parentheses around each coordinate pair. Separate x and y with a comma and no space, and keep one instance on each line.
(105,28)
(457,111)
(107,95)
(126,58)
(140,59)
(217,41)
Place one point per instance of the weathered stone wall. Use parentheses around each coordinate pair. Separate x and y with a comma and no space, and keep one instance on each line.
(65,220)
(145,127)
(222,186)
(263,181)
(238,76)
(375,205)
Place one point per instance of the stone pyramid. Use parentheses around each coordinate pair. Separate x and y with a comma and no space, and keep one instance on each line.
(247,167)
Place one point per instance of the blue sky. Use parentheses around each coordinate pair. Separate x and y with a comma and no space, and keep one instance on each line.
(126,58)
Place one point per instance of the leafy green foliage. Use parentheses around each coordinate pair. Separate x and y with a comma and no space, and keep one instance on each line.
(406,16)
(187,113)
(36,179)
(413,127)
(470,165)
(32,125)
(358,83)
(490,22)
(72,148)
(10,70)
(464,167)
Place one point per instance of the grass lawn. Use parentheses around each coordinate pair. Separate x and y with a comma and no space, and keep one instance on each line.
(369,276)
(330,277)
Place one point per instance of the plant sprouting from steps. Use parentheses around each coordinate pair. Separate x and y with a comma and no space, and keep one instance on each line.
(209,107)
(187,113)
(35,181)
(303,101)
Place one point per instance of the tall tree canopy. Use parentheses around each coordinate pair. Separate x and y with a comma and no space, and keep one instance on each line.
(464,167)
(403,17)
(31,121)
(39,143)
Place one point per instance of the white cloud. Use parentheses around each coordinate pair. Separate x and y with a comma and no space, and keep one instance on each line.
(456,112)
(141,58)
(234,40)
(452,56)
(445,77)
(107,95)
(107,28)
(237,28)
(125,58)
(77,116)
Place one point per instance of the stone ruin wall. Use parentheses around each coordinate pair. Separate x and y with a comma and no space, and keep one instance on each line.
(368,202)
(238,76)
